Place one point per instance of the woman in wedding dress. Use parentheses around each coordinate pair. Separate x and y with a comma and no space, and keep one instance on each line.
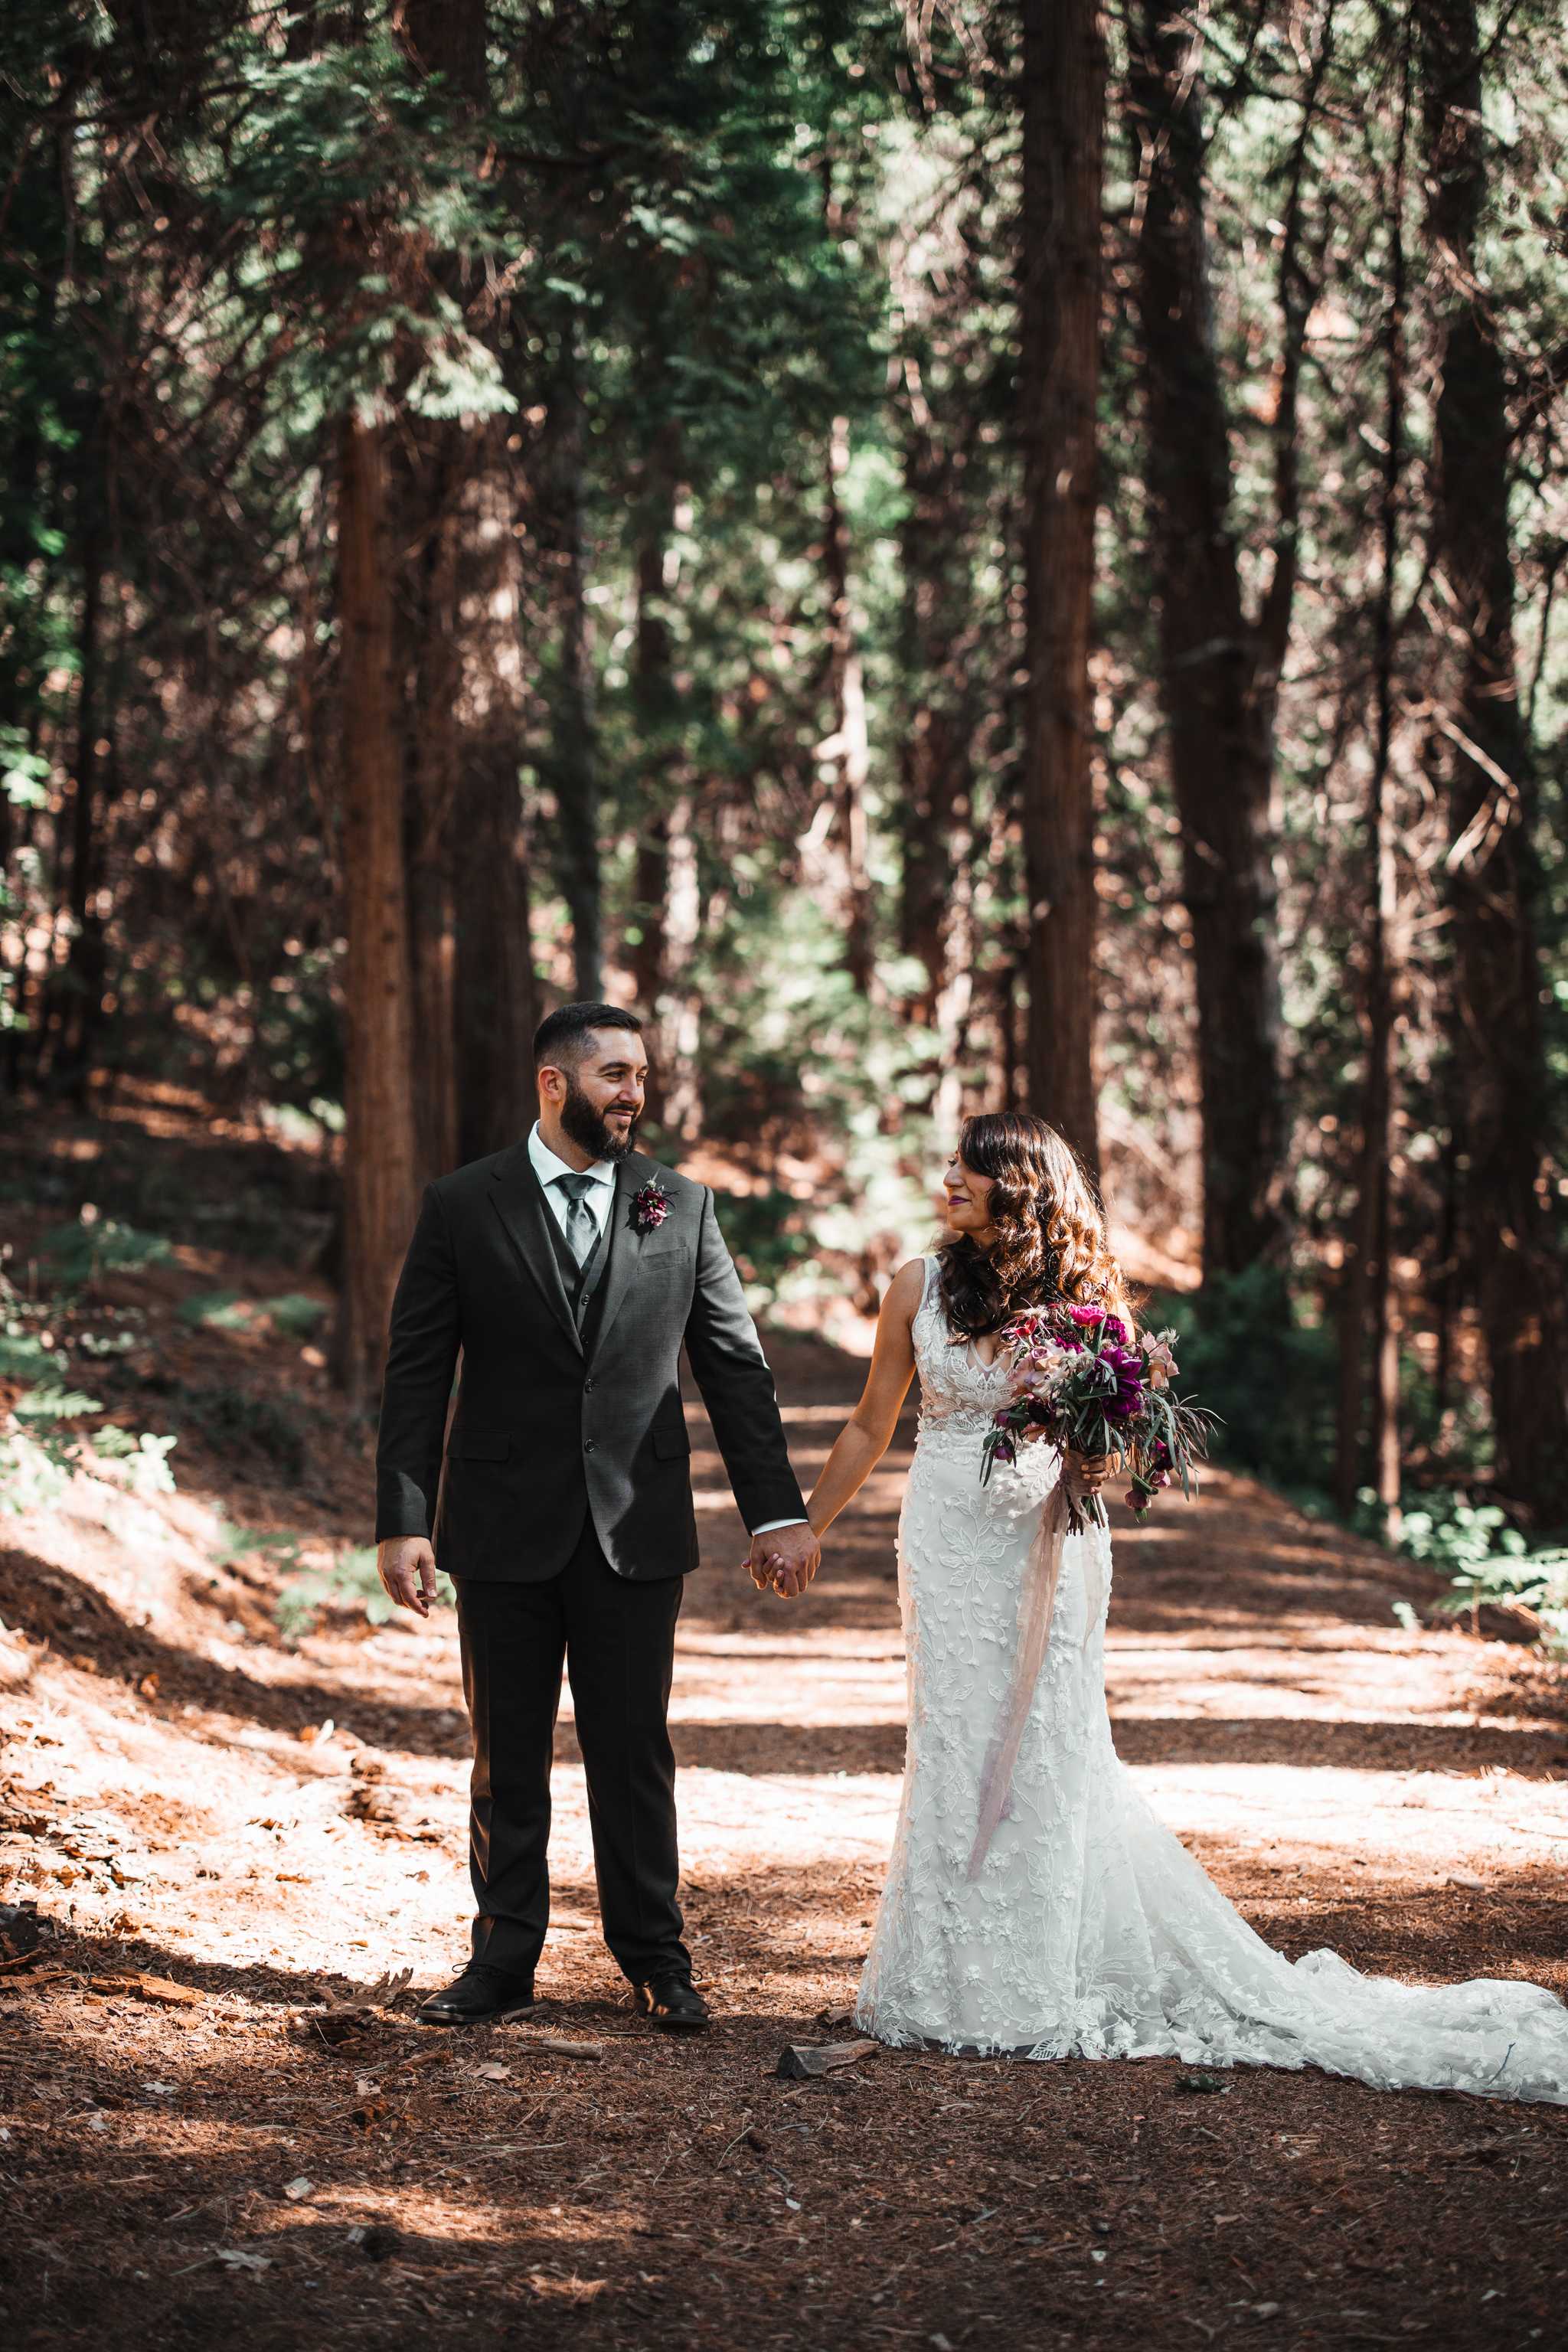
(1082,1927)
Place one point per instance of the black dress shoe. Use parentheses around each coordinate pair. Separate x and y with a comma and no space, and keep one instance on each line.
(481,1996)
(673,2003)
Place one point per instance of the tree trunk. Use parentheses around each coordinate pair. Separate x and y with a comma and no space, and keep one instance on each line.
(1370,1301)
(1492,803)
(657,705)
(573,750)
(497,995)
(68,1057)
(936,843)
(432,453)
(846,750)
(1219,671)
(472,951)
(379,1146)
(1063,132)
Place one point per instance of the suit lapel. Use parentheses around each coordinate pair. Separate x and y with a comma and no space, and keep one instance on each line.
(519,1198)
(622,1242)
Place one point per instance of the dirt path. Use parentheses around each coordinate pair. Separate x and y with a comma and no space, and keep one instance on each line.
(242,2162)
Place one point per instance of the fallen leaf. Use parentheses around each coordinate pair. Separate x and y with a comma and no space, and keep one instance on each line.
(296,2189)
(235,2258)
(800,2061)
(493,2073)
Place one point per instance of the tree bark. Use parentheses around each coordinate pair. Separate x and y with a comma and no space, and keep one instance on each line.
(1219,668)
(655,953)
(497,995)
(472,945)
(78,860)
(846,750)
(430,455)
(936,758)
(1492,807)
(573,749)
(1063,136)
(1370,1303)
(379,1146)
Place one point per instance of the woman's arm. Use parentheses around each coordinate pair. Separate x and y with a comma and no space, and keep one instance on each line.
(869,1432)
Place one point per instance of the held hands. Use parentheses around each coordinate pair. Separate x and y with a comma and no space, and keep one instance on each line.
(785,1560)
(406,1567)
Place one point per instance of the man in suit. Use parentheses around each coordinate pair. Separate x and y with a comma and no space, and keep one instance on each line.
(569,1271)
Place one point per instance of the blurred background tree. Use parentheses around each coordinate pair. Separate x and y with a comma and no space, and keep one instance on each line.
(1009,555)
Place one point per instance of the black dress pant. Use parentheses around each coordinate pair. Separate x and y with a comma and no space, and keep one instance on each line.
(616,1639)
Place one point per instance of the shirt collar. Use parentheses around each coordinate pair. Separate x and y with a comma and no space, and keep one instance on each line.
(548,1165)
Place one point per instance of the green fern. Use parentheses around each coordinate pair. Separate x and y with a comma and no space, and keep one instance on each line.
(54,1404)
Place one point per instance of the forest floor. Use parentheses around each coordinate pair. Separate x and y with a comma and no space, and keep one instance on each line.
(218,2118)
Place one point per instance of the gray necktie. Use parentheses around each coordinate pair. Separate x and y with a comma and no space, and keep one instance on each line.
(582,1226)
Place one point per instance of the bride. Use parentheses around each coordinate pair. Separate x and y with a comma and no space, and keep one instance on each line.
(1082,1927)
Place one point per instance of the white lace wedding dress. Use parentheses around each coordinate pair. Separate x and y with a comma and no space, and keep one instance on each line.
(1088,1930)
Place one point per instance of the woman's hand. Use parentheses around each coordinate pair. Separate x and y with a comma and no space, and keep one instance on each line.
(1086,1474)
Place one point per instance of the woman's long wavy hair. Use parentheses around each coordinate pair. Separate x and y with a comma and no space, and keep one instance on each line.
(1050,1240)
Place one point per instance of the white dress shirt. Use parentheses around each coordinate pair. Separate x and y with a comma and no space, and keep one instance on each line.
(600,1200)
(548,1165)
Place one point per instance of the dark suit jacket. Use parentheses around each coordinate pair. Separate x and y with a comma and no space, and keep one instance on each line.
(553,1423)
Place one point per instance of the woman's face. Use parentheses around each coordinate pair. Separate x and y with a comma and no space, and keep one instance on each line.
(968,1199)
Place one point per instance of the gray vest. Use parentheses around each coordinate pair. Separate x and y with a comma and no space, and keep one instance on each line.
(582,1281)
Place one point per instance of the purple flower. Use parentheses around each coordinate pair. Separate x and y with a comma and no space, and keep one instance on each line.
(649,1207)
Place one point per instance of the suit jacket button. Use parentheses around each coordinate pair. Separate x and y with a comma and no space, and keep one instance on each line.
(588,1446)
(586,1386)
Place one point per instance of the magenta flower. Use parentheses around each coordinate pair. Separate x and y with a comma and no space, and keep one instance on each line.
(649,1207)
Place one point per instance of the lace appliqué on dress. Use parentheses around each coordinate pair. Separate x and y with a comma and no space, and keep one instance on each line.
(1090,1930)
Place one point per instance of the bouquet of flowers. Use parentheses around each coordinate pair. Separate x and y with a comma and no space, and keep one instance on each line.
(1082,1380)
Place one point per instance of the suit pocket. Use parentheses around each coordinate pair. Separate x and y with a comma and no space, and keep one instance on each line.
(482,1445)
(669,1445)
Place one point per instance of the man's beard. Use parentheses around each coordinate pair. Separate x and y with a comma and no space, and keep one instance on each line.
(587,1128)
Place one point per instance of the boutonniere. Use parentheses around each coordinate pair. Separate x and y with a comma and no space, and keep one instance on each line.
(649,1207)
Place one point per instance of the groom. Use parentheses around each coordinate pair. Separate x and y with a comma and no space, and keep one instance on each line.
(569,1271)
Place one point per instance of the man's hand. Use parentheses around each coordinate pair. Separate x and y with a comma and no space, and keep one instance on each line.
(406,1567)
(785,1560)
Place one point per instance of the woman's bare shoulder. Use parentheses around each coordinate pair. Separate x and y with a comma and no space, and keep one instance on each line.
(906,1290)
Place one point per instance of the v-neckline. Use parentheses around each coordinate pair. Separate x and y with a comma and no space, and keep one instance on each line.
(986,1363)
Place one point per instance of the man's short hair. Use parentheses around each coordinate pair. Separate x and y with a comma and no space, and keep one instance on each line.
(563,1036)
